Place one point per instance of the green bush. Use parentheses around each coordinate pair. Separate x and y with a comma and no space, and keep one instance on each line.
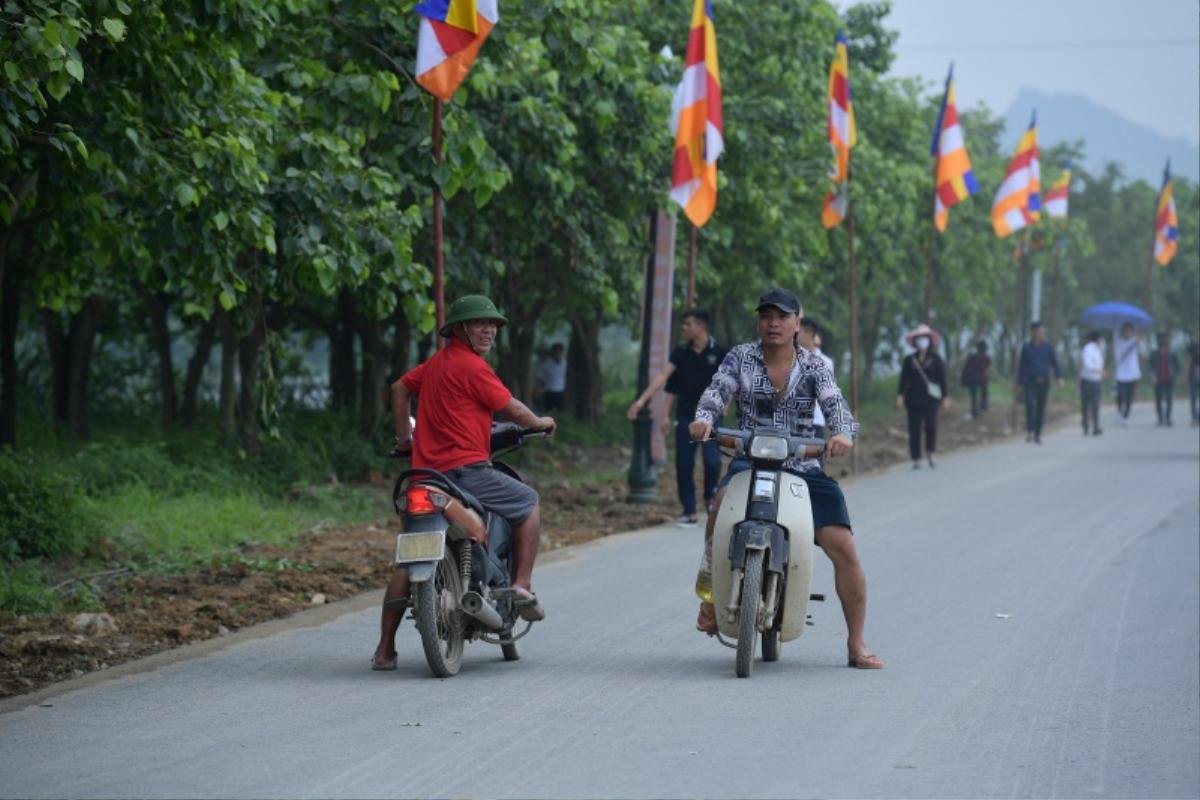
(24,590)
(40,512)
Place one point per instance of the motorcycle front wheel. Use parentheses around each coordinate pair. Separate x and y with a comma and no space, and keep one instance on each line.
(748,614)
(439,620)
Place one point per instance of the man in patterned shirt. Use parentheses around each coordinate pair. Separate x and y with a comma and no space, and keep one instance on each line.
(776,384)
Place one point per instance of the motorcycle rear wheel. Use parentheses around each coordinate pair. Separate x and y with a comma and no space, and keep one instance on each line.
(748,614)
(439,620)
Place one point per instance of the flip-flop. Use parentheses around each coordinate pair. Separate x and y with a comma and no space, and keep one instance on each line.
(384,665)
(865,661)
(528,607)
(706,620)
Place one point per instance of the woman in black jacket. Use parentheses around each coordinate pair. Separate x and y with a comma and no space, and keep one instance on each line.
(922,391)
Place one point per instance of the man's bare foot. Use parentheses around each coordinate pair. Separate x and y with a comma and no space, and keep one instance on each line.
(706,620)
(865,660)
(382,661)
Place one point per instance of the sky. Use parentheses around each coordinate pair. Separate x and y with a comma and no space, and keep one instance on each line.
(1140,58)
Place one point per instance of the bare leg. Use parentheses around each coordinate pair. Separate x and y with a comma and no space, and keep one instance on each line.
(851,584)
(706,620)
(528,534)
(392,616)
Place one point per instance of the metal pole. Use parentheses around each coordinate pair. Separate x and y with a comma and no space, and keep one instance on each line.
(1035,303)
(1019,331)
(439,289)
(928,307)
(642,477)
(853,320)
(691,286)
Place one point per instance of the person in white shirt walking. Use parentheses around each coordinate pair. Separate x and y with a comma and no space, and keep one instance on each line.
(552,375)
(1127,351)
(1091,377)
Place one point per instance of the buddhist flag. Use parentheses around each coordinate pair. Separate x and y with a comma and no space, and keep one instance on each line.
(451,33)
(1018,201)
(842,133)
(696,121)
(955,181)
(1058,195)
(1166,222)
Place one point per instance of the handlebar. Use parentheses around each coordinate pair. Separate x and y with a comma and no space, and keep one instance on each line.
(505,436)
(798,446)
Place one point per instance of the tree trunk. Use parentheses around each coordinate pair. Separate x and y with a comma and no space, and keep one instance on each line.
(196,365)
(228,393)
(585,391)
(401,342)
(341,353)
(160,335)
(249,349)
(10,308)
(79,354)
(373,376)
(56,345)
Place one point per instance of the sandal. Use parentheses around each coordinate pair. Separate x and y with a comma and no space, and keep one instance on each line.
(528,607)
(706,620)
(865,661)
(383,665)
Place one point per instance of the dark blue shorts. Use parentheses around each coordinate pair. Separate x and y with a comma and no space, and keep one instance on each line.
(828,502)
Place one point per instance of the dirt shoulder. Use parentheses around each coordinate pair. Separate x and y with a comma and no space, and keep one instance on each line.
(583,496)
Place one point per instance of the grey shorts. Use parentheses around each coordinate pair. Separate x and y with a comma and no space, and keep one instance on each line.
(499,493)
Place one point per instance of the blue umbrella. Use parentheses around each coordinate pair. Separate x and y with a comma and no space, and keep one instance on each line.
(1113,315)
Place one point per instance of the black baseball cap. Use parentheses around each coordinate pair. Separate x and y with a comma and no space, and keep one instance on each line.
(785,301)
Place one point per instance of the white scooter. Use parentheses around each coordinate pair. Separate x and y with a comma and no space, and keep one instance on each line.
(762,546)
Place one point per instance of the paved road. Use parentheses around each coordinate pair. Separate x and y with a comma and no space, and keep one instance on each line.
(1088,688)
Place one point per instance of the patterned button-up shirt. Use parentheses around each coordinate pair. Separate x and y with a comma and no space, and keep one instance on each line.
(743,377)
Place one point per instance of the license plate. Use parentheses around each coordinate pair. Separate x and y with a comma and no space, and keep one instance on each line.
(428,546)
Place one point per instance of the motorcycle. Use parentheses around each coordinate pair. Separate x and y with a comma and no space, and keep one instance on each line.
(764,527)
(460,561)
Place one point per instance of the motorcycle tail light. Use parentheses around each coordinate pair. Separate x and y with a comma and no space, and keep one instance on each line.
(420,501)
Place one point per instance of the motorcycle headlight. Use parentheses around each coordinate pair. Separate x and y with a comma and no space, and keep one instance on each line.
(769,448)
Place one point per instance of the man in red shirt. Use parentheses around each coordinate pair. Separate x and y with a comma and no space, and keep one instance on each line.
(459,393)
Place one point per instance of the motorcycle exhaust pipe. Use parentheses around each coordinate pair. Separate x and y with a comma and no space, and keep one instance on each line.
(473,604)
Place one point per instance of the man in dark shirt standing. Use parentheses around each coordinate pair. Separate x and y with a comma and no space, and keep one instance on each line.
(1037,362)
(685,376)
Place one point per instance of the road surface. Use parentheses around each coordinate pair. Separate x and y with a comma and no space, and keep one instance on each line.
(1038,608)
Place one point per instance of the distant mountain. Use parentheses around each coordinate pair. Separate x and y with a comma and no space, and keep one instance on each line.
(1107,136)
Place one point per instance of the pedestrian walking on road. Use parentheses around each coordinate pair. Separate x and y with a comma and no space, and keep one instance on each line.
(1164,366)
(1038,361)
(922,391)
(686,375)
(1128,355)
(975,378)
(1091,381)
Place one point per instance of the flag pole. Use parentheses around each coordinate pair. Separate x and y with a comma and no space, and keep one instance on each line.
(853,317)
(1019,328)
(929,262)
(1149,295)
(439,296)
(691,284)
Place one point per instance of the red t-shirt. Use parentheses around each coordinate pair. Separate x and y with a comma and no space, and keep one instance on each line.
(458,393)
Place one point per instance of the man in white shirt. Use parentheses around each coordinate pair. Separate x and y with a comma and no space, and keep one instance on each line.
(1091,376)
(1127,351)
(810,339)
(552,374)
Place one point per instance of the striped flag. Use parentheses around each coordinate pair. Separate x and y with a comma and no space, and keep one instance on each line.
(1018,201)
(451,33)
(955,181)
(1166,222)
(842,133)
(1058,195)
(696,121)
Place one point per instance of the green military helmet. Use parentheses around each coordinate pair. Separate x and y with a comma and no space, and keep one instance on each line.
(469,307)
